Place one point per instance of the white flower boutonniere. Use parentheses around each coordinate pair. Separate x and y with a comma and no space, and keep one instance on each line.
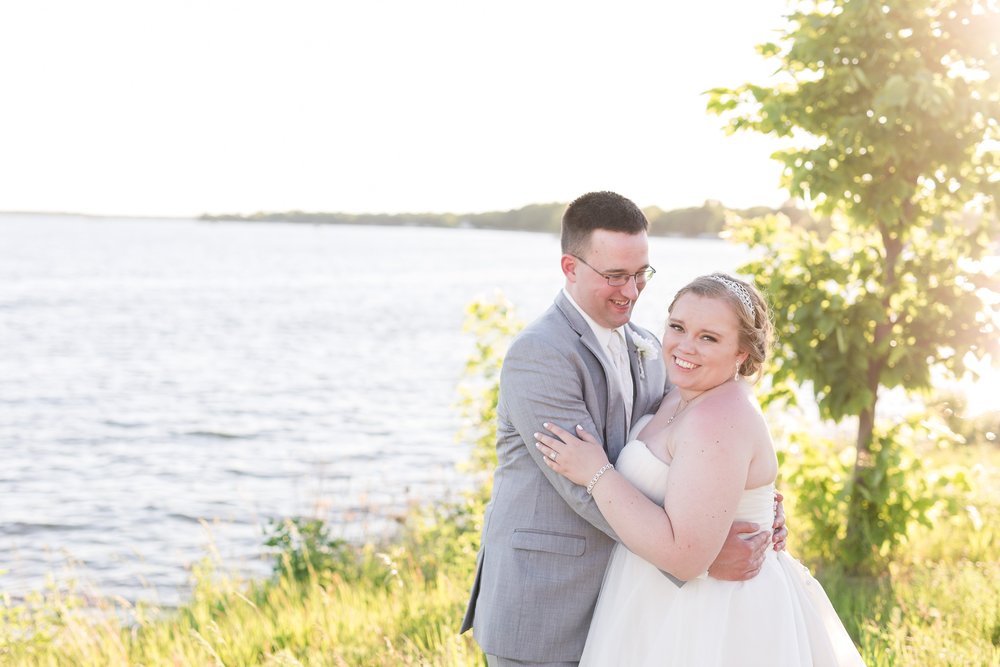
(646,350)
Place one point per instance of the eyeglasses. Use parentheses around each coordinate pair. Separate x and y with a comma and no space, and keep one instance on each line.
(621,279)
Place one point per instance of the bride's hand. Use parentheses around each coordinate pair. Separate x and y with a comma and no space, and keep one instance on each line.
(575,457)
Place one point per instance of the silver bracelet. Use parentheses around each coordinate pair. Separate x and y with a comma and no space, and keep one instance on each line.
(597,476)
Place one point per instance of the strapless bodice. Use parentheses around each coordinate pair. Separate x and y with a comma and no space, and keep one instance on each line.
(649,474)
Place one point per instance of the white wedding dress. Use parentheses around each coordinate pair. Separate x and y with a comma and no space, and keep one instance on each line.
(780,617)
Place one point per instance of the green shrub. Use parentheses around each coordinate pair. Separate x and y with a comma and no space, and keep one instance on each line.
(897,493)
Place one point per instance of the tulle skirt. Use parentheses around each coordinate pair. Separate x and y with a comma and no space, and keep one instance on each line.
(781,617)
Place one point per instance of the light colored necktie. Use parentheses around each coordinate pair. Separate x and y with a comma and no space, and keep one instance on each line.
(619,357)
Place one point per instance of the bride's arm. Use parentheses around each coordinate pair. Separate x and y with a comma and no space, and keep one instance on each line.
(707,477)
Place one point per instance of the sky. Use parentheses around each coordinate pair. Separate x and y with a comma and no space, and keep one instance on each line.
(186,107)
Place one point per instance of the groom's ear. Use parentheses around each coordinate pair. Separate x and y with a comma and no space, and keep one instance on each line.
(568,264)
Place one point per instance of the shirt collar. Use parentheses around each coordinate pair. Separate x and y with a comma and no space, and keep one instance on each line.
(603,334)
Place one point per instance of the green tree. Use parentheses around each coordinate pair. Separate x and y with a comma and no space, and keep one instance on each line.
(889,114)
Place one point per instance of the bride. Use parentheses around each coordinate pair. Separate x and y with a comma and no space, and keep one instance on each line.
(704,460)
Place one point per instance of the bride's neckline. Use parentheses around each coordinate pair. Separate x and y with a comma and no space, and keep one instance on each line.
(667,465)
(683,406)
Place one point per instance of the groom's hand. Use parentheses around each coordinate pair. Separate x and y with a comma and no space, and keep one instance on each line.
(780,531)
(741,559)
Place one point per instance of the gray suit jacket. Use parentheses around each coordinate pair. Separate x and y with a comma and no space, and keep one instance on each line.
(545,545)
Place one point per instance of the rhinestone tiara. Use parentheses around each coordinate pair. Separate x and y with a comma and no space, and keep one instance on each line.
(739,290)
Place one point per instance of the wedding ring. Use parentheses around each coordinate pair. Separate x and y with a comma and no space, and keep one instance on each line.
(552,456)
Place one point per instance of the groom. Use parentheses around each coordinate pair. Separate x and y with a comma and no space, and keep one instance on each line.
(545,545)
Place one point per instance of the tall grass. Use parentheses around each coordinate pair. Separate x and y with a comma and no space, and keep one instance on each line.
(401,603)
(939,602)
(394,606)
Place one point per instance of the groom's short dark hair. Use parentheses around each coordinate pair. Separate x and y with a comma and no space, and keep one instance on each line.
(599,210)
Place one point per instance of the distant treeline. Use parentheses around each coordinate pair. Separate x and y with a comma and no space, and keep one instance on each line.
(706,220)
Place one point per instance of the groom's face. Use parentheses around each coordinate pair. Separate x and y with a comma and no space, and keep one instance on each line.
(608,253)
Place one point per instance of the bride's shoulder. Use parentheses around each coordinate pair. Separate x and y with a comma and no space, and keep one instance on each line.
(728,395)
(728,407)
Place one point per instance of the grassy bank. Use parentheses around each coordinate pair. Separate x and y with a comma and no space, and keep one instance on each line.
(328,604)
(332,604)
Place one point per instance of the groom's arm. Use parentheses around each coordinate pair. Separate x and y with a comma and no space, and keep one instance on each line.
(539,384)
(741,559)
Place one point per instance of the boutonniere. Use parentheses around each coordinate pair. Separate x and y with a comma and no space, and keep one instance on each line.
(646,349)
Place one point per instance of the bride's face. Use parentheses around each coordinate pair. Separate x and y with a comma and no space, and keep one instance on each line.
(701,343)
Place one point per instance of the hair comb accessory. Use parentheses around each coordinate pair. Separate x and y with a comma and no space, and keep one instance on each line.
(739,290)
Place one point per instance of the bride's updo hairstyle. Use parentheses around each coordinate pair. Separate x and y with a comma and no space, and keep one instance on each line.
(756,330)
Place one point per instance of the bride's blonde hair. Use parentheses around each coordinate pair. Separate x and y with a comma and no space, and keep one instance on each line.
(756,331)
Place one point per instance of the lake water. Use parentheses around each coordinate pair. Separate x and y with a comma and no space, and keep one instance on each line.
(168,386)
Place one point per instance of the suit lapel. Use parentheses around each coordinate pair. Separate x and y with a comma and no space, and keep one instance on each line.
(615,428)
